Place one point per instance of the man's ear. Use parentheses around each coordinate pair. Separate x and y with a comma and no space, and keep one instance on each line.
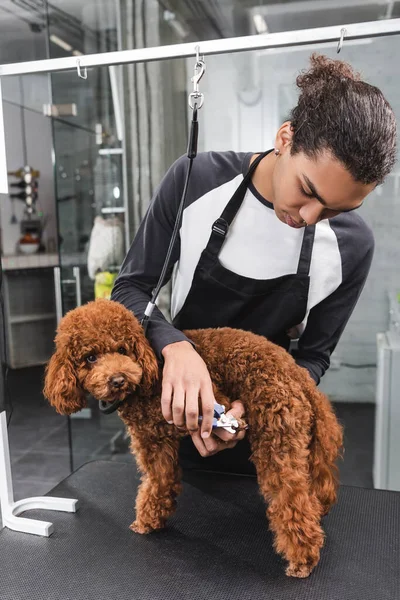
(284,137)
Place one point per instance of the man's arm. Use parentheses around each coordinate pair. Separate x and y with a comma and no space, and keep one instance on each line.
(328,319)
(143,264)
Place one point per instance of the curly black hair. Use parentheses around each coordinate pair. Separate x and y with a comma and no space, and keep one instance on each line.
(339,112)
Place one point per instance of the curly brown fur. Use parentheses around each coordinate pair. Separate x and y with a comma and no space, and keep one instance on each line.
(293,432)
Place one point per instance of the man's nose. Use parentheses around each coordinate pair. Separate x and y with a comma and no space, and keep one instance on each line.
(312,211)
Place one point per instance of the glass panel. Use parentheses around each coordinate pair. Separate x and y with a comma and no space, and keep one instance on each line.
(36,30)
(23,31)
(88,152)
(153,23)
(82,27)
(28,142)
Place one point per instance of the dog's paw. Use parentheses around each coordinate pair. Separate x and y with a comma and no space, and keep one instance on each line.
(143,529)
(242,424)
(294,570)
(138,527)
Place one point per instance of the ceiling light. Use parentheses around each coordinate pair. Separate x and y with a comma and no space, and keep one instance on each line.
(176,24)
(64,45)
(260,24)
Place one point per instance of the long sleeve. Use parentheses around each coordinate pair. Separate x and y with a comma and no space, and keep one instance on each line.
(328,319)
(143,264)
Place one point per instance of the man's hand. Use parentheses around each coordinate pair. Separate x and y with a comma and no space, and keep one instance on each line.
(187,387)
(187,382)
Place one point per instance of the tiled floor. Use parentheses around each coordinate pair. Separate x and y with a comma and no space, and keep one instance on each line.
(40,452)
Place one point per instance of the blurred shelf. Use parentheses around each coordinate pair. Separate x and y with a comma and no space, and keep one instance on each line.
(31,318)
(29,261)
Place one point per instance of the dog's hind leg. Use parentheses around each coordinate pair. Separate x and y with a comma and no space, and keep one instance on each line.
(161,481)
(281,457)
(326,448)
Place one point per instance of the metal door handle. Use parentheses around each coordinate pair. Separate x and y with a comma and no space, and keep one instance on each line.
(77,275)
(58,293)
(58,282)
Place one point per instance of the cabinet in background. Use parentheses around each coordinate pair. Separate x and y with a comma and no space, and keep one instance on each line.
(30,316)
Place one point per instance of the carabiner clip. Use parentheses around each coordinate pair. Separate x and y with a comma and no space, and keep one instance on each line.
(199,70)
(340,43)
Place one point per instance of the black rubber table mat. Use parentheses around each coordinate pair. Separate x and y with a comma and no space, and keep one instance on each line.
(217,546)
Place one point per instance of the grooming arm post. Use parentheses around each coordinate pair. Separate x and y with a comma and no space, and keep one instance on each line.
(10,510)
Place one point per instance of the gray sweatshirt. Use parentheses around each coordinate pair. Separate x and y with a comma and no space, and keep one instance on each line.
(258,246)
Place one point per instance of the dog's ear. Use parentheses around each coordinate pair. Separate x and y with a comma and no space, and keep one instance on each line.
(61,387)
(148,363)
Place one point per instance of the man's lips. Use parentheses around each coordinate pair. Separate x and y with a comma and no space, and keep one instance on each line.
(291,222)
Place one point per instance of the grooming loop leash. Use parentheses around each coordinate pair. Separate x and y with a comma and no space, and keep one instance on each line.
(196,100)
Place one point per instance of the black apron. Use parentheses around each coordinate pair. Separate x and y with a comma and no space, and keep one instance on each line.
(220,298)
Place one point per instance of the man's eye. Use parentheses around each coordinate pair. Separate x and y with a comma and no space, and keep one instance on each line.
(122,350)
(308,194)
(92,358)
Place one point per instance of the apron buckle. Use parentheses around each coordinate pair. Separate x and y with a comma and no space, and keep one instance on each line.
(220,226)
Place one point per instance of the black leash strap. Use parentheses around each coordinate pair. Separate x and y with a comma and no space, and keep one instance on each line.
(191,153)
(195,102)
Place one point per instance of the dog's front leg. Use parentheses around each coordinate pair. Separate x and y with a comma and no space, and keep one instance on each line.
(157,460)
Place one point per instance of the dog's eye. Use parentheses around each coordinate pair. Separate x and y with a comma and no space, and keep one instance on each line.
(122,350)
(91,358)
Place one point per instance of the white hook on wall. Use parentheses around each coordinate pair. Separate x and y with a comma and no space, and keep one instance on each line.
(342,34)
(82,74)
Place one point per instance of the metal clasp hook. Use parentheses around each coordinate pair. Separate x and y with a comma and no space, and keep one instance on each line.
(340,43)
(78,68)
(199,70)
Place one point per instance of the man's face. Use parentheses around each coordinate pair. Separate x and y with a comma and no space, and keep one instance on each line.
(308,190)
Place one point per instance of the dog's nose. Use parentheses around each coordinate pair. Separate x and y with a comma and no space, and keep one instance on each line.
(117,381)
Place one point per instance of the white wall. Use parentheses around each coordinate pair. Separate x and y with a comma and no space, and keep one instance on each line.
(266,80)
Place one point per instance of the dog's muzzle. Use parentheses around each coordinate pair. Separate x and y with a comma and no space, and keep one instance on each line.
(117,382)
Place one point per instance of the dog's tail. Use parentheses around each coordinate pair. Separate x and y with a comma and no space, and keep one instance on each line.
(326,448)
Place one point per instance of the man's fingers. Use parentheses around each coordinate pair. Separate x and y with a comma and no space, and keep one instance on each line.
(178,407)
(166,402)
(199,443)
(207,410)
(213,444)
(236,410)
(226,436)
(210,446)
(192,408)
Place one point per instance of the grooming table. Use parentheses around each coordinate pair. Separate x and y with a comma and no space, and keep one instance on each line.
(217,546)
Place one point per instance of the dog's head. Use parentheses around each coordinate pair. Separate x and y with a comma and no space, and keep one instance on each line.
(101,349)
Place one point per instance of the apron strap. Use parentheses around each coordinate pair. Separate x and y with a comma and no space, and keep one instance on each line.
(221,225)
(306,251)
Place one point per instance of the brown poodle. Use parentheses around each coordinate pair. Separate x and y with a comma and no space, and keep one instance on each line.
(294,435)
